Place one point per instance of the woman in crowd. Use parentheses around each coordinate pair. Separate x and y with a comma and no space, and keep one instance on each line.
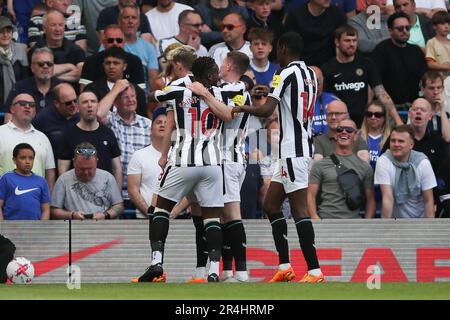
(375,130)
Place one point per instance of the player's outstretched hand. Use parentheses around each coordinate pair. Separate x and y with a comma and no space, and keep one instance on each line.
(197,88)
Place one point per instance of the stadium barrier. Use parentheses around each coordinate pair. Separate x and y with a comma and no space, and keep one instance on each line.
(115,251)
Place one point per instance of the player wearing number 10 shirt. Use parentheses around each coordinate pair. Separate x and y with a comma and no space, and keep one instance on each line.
(294,89)
(194,166)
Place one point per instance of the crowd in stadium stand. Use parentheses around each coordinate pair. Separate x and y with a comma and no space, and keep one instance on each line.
(77,83)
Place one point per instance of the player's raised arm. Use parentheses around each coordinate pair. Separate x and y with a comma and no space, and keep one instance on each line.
(221,110)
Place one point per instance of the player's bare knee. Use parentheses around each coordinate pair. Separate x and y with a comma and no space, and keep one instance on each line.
(231,212)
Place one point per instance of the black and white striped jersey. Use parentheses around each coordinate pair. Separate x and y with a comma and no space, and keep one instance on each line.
(197,141)
(234,131)
(182,82)
(295,87)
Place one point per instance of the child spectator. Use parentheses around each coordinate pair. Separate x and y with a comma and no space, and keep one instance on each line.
(23,194)
(261,46)
(438,47)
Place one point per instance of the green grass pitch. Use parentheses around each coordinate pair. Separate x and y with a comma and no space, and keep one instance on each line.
(228,291)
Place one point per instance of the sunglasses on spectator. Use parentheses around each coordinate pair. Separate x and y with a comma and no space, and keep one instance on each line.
(69,103)
(111,40)
(230,27)
(43,63)
(341,129)
(376,114)
(402,28)
(24,103)
(86,151)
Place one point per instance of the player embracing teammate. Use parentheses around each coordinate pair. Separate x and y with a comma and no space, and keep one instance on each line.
(294,89)
(197,113)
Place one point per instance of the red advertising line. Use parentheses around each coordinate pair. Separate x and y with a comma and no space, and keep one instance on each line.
(50,264)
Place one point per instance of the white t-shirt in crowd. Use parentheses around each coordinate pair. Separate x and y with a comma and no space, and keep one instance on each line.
(11,136)
(165,24)
(413,207)
(219,52)
(145,162)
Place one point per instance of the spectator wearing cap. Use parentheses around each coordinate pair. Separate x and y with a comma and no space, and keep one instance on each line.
(20,129)
(55,120)
(88,129)
(40,85)
(114,66)
(86,192)
(13,60)
(143,169)
(20,13)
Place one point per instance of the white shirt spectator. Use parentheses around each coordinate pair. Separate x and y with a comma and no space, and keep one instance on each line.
(165,24)
(11,136)
(413,207)
(145,163)
(219,52)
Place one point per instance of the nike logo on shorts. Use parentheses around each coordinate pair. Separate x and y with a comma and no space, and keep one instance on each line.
(20,192)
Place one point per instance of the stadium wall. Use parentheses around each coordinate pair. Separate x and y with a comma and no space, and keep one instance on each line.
(117,250)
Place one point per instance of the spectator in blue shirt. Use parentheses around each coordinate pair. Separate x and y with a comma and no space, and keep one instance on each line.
(261,45)
(23,194)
